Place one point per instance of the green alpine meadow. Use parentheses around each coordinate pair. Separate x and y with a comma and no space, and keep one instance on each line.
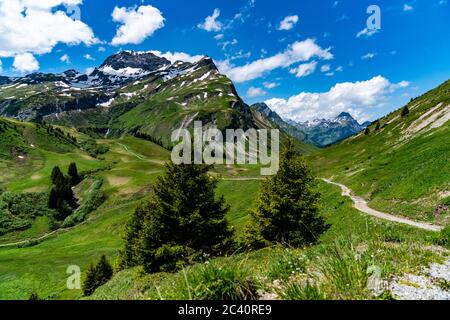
(95,206)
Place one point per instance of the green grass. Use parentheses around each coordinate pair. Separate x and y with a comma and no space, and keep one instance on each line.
(335,260)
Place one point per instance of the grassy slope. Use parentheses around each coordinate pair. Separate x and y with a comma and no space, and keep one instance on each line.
(132,166)
(391,247)
(398,171)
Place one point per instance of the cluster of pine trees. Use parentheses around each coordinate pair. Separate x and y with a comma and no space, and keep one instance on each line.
(61,196)
(184,221)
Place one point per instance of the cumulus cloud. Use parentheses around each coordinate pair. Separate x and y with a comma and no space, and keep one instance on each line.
(65,58)
(255,92)
(211,24)
(137,24)
(356,98)
(407,7)
(88,57)
(219,36)
(177,56)
(366,33)
(300,51)
(36,27)
(25,63)
(305,69)
(288,23)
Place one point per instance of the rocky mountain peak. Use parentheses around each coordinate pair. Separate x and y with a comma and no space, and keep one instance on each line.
(135,60)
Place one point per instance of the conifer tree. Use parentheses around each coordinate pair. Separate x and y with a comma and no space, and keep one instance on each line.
(180,222)
(104,271)
(97,275)
(73,174)
(90,282)
(287,210)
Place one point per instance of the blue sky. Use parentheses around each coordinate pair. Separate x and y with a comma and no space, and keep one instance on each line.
(367,75)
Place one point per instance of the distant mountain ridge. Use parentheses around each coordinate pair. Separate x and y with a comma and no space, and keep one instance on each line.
(321,132)
(324,132)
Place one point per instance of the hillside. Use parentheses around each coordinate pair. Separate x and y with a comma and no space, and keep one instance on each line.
(401,165)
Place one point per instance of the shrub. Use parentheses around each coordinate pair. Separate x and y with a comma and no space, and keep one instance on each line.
(94,200)
(18,211)
(307,291)
(214,282)
(444,237)
(344,273)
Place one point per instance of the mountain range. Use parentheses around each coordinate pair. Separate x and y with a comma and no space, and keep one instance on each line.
(134,92)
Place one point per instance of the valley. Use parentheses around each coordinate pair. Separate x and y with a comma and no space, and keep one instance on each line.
(115,125)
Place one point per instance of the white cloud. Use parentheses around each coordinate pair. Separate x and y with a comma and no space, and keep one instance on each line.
(329,74)
(211,23)
(356,98)
(368,56)
(38,26)
(305,69)
(25,63)
(442,2)
(288,23)
(366,32)
(340,69)
(270,85)
(88,57)
(335,4)
(177,56)
(101,49)
(137,24)
(407,7)
(255,92)
(65,58)
(300,51)
(325,68)
(219,36)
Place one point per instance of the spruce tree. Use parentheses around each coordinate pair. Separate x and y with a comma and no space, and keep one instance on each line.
(287,210)
(73,174)
(90,282)
(97,276)
(104,271)
(57,176)
(181,221)
(367,131)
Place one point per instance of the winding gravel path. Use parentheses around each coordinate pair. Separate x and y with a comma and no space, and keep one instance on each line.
(361,205)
